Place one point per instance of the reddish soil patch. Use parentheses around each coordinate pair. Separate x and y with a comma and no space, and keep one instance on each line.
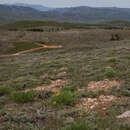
(53,47)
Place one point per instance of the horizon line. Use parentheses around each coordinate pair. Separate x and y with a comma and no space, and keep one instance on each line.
(11,3)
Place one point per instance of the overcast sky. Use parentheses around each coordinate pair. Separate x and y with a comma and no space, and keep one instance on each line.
(69,3)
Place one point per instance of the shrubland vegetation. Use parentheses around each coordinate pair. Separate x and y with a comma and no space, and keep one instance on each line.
(49,88)
(35,25)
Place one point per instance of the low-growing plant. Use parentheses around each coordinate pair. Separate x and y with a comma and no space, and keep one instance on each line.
(115,37)
(72,112)
(112,60)
(64,98)
(80,126)
(5,90)
(23,97)
(124,127)
(44,94)
(125,93)
(89,94)
(93,94)
(114,91)
(110,74)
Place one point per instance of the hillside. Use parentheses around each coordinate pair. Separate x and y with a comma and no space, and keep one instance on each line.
(13,13)
(81,14)
(89,14)
(34,6)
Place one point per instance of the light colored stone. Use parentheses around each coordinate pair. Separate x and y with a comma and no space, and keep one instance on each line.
(124,115)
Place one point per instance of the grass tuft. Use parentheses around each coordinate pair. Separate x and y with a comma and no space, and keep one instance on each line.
(113,60)
(5,90)
(110,74)
(23,97)
(80,126)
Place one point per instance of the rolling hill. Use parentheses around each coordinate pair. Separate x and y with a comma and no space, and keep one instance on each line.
(81,14)
(34,6)
(13,13)
(89,14)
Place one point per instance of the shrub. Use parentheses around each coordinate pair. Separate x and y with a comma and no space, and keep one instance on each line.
(23,97)
(64,98)
(80,126)
(112,60)
(36,30)
(5,90)
(124,127)
(115,37)
(44,94)
(125,93)
(110,74)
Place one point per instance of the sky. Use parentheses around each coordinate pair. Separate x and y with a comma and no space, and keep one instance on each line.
(72,3)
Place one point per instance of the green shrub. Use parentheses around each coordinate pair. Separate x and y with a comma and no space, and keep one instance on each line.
(23,97)
(64,98)
(124,127)
(125,93)
(110,74)
(115,91)
(5,90)
(80,126)
(112,60)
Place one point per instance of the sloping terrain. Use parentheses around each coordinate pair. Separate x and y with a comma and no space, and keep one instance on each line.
(81,14)
(89,14)
(13,13)
(34,6)
(85,85)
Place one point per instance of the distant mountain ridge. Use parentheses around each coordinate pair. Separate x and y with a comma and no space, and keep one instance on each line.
(34,6)
(82,14)
(91,14)
(13,13)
